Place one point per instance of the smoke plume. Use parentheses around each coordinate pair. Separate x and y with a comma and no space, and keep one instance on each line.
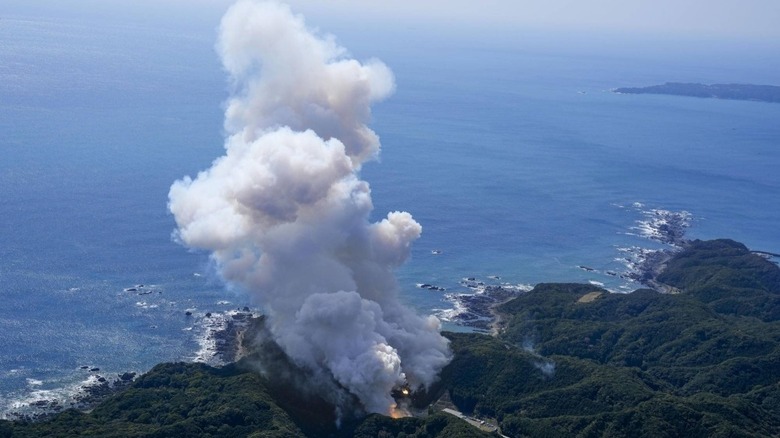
(285,215)
(541,363)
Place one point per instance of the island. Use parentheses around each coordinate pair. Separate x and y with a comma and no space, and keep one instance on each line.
(564,360)
(761,93)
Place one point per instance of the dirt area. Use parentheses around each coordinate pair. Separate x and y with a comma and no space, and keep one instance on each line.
(589,297)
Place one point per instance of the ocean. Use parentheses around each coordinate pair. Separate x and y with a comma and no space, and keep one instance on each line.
(517,160)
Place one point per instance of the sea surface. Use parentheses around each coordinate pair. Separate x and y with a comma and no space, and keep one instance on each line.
(518,161)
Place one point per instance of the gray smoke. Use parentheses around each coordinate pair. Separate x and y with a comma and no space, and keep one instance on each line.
(541,363)
(285,214)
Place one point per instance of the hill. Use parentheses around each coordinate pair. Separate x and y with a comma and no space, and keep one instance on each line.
(569,360)
(196,400)
(703,362)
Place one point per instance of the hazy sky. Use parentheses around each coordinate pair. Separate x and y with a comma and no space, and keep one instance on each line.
(694,18)
(752,19)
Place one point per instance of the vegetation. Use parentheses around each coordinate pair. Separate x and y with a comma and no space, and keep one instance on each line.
(701,363)
(191,400)
(196,400)
(704,362)
(728,277)
(765,93)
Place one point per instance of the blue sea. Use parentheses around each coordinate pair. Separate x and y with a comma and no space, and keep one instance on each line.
(514,156)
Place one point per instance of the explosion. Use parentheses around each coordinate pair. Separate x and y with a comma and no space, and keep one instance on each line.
(285,215)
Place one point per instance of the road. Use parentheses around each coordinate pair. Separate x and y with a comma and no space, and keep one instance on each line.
(479,424)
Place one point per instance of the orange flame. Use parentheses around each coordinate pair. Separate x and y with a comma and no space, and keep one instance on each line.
(399,412)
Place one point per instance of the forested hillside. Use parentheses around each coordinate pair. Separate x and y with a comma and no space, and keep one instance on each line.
(569,360)
(703,362)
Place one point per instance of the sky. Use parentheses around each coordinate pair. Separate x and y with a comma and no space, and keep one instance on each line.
(722,19)
(703,18)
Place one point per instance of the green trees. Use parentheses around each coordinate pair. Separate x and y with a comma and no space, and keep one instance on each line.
(702,363)
(639,364)
(728,277)
(178,399)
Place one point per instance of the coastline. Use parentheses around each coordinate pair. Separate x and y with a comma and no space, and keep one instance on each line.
(221,343)
(746,92)
(476,309)
(83,396)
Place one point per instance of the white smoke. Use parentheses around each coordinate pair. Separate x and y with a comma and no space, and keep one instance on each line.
(541,363)
(285,214)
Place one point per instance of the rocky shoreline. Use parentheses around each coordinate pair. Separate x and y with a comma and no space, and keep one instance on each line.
(221,343)
(644,265)
(476,309)
(87,395)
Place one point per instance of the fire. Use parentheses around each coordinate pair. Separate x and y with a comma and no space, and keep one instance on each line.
(398,412)
(401,395)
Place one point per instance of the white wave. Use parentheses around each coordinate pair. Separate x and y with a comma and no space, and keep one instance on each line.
(145,305)
(519,287)
(47,400)
(450,314)
(663,226)
(207,339)
(210,337)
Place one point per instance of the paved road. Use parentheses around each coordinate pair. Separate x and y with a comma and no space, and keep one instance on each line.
(481,425)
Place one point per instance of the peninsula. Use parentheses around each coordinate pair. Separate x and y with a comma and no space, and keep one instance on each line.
(761,93)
